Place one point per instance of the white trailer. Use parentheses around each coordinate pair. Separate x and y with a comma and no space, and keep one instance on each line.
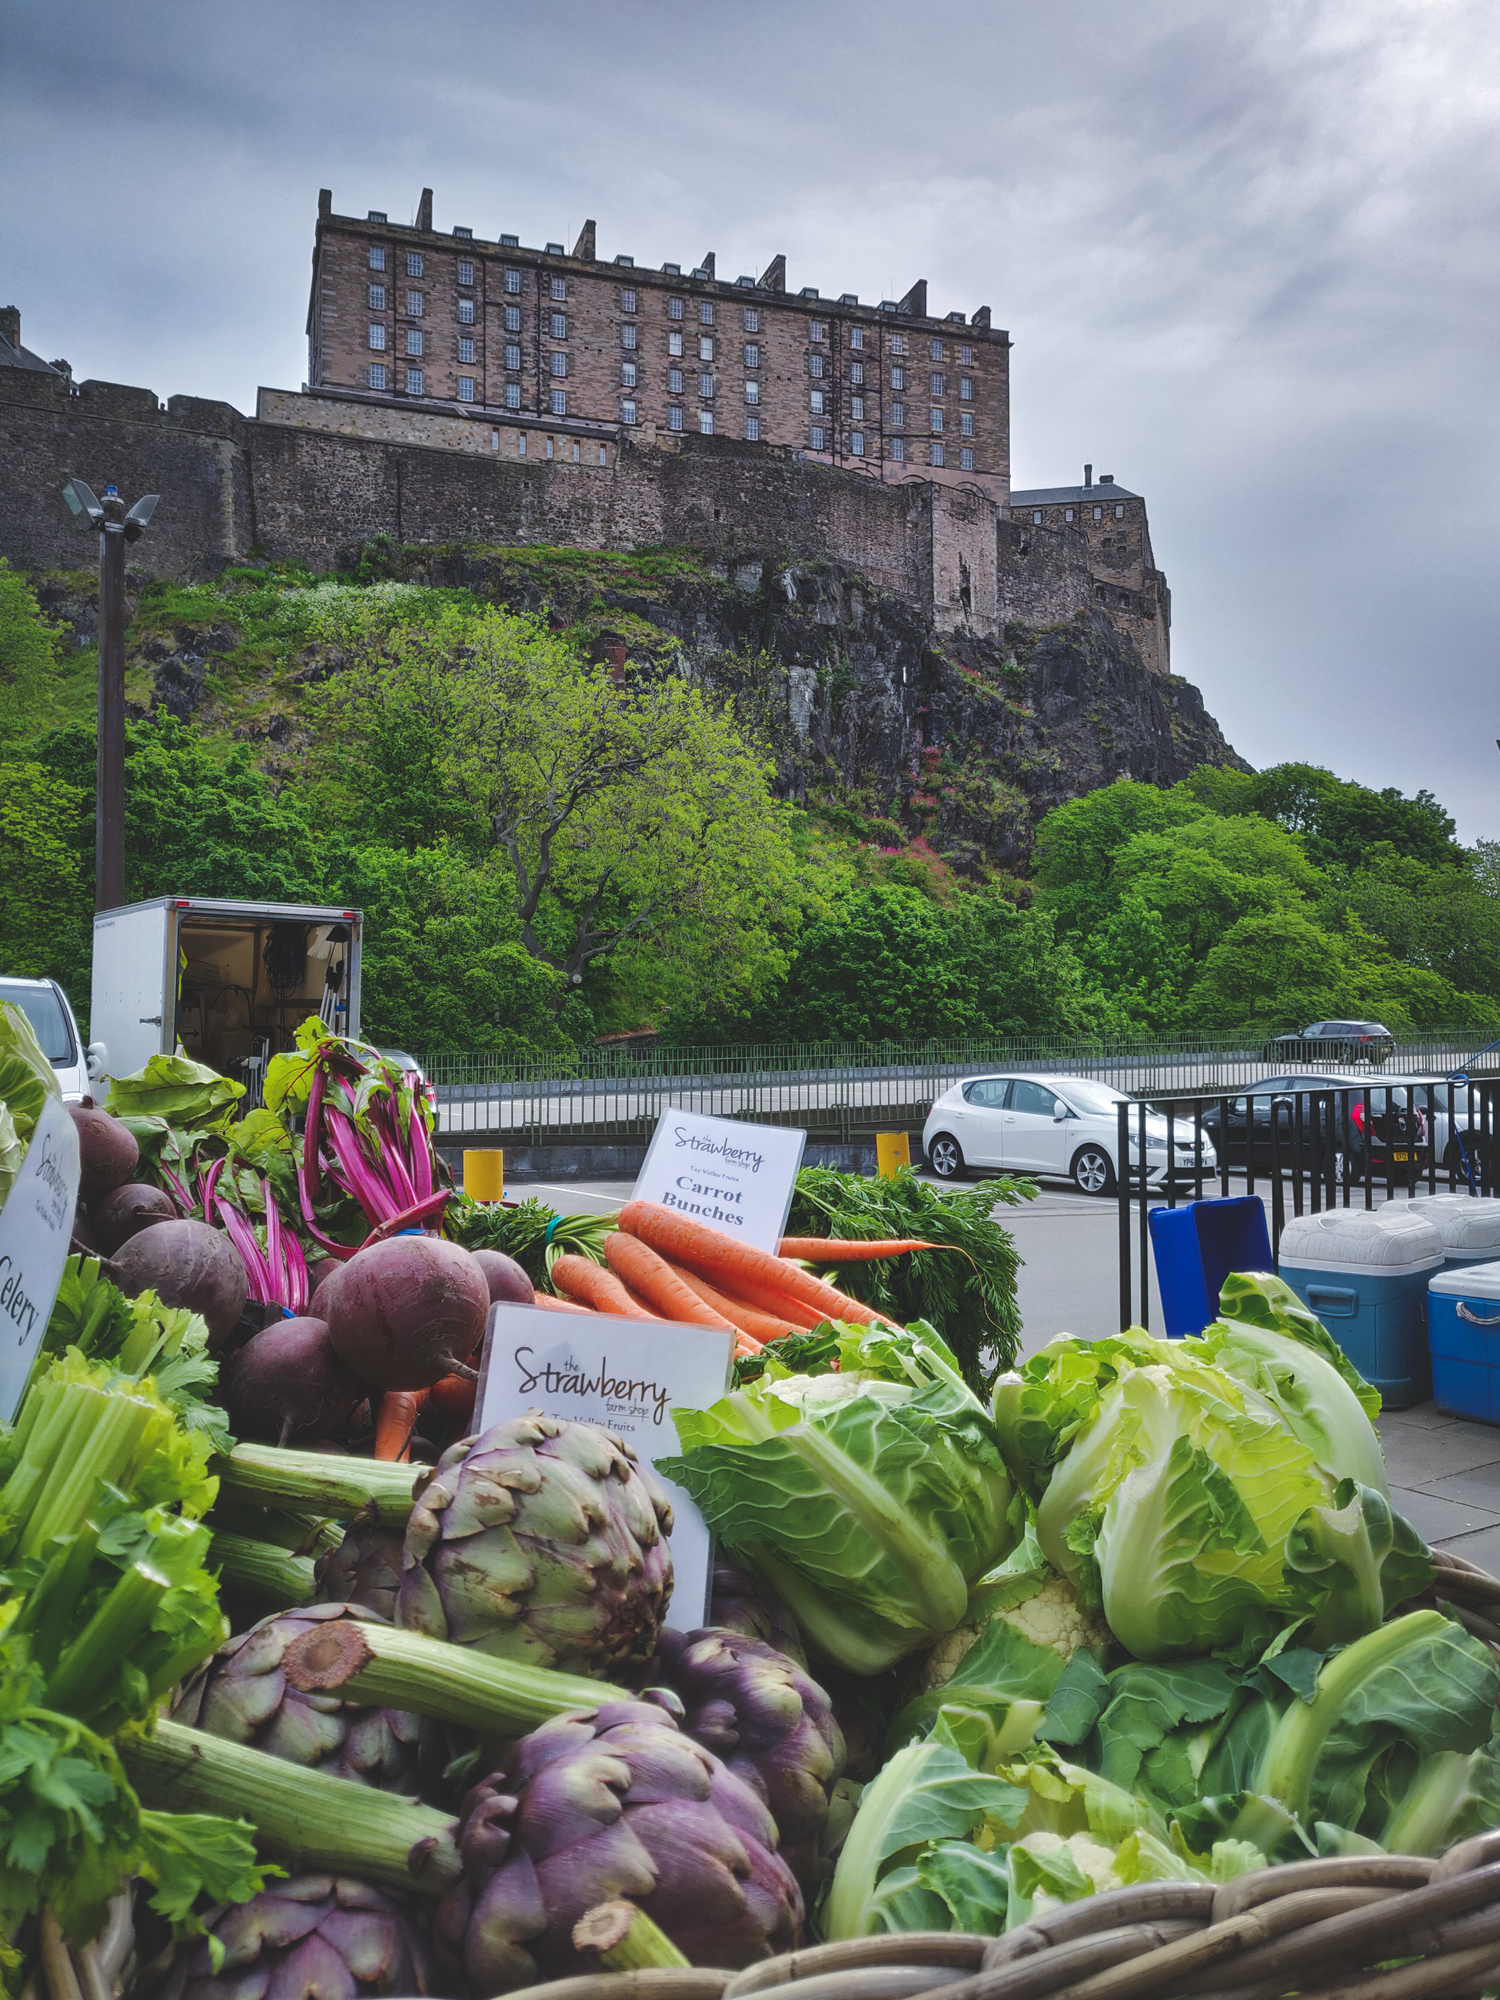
(227,982)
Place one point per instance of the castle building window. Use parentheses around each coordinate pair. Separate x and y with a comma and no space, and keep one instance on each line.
(377,257)
(706,423)
(752,430)
(937,421)
(413,263)
(559,288)
(674,308)
(674,343)
(815,402)
(627,335)
(1119,513)
(512,284)
(512,319)
(1098,513)
(414,304)
(817,329)
(705,385)
(937,456)
(857,408)
(752,354)
(521,445)
(898,414)
(627,412)
(512,356)
(1036,519)
(898,343)
(602,459)
(377,298)
(674,417)
(466,312)
(627,302)
(1067,513)
(559,402)
(935,384)
(377,374)
(857,443)
(898,449)
(706,312)
(674,381)
(935,349)
(549,447)
(966,422)
(705,347)
(414,340)
(557,364)
(627,374)
(559,326)
(856,336)
(898,378)
(415,382)
(377,339)
(466,388)
(752,319)
(465,271)
(966,458)
(512,395)
(752,392)
(465,347)
(857,374)
(815,365)
(575,451)
(815,437)
(965,389)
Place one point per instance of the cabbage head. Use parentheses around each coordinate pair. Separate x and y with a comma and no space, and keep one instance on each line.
(869,1500)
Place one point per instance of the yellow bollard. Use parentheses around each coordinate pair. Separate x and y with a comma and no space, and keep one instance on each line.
(484,1174)
(892,1150)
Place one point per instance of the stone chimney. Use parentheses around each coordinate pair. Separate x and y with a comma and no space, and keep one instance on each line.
(587,244)
(1088,476)
(424,210)
(10,324)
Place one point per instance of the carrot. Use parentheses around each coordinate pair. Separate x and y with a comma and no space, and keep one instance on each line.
(760,1326)
(657,1283)
(779,1304)
(725,1262)
(399,1410)
(559,1305)
(842,1250)
(581,1278)
(453,1397)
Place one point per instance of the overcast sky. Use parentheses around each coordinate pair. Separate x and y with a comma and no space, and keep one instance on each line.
(1247,256)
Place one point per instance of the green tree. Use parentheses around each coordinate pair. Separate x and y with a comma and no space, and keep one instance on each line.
(1271,973)
(1079,846)
(46,894)
(28,656)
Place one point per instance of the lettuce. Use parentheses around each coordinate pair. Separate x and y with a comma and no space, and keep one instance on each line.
(185,1093)
(27,1080)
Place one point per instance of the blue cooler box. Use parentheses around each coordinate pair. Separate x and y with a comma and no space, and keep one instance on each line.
(1463,1326)
(1366,1279)
(1469,1225)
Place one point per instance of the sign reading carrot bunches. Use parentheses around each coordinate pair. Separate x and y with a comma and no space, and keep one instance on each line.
(735,1177)
(628,1377)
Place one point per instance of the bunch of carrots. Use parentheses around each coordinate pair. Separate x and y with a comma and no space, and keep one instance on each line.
(665,1266)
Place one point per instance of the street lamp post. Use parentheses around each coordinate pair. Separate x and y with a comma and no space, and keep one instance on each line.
(116,528)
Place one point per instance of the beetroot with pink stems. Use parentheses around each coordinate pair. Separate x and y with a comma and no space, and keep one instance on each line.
(287,1386)
(186,1264)
(107,1152)
(508,1283)
(126,1211)
(405,1312)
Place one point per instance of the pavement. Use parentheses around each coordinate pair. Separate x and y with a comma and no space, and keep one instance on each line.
(1444,1471)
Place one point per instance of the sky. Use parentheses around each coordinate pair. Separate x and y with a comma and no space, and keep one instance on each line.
(1246,255)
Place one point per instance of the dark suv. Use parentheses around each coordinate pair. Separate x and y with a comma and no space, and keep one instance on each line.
(1395,1138)
(1336,1041)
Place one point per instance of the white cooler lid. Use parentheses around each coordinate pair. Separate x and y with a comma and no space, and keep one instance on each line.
(1468,1224)
(1475,1281)
(1357,1240)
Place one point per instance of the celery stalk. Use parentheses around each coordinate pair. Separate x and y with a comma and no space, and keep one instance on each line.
(271,1576)
(316,1482)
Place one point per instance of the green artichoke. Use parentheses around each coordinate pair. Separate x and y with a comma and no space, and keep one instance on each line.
(619,1803)
(742,1603)
(542,1541)
(364,1568)
(240,1693)
(315,1937)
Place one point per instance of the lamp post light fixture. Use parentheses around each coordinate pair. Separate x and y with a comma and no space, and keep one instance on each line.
(116,528)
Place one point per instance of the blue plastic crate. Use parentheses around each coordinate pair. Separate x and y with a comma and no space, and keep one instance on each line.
(1196,1247)
(1364,1272)
(1463,1329)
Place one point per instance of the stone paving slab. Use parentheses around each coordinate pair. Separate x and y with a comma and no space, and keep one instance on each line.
(1445,1477)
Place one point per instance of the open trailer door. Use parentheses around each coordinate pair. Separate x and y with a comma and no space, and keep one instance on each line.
(130,1009)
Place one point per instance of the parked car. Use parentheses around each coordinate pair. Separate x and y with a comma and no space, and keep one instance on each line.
(45,1006)
(1448,1137)
(1065,1125)
(410,1063)
(1336,1041)
(1396,1134)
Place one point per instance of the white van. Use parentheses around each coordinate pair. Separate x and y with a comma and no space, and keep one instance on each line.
(45,1006)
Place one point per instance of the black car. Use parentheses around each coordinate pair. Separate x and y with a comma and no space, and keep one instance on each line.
(1336,1041)
(1395,1137)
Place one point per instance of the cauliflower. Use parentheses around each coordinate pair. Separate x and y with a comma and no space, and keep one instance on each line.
(1050,1616)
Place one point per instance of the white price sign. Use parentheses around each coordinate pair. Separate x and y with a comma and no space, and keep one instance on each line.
(36,1226)
(625,1375)
(735,1177)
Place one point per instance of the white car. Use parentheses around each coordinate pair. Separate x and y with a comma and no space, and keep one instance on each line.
(1065,1125)
(45,1006)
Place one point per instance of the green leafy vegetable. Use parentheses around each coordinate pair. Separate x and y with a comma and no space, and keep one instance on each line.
(27,1079)
(175,1088)
(531,1232)
(1255,1298)
(12,1152)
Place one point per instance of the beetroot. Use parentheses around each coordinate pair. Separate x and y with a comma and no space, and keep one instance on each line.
(107,1152)
(186,1264)
(126,1211)
(508,1283)
(405,1312)
(287,1386)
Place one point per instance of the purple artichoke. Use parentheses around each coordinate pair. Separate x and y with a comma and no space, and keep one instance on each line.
(240,1693)
(769,1722)
(589,1808)
(742,1603)
(315,1937)
(542,1541)
(365,1568)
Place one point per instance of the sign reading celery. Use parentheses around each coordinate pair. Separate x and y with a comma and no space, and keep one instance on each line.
(735,1177)
(36,1225)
